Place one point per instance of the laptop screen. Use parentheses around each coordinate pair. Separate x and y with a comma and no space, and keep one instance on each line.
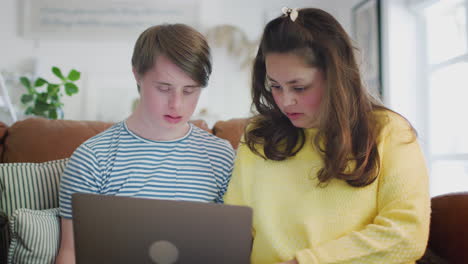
(116,229)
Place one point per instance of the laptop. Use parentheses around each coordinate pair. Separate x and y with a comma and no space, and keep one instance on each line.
(116,229)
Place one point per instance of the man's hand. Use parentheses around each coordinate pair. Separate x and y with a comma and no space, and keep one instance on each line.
(66,254)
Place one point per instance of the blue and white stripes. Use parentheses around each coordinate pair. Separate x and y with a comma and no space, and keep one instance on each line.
(196,167)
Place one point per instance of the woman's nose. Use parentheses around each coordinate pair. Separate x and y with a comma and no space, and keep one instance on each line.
(289,99)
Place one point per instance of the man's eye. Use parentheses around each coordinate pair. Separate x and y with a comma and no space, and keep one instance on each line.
(189,90)
(163,88)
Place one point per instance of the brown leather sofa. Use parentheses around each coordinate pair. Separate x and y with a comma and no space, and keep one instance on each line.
(449,227)
(40,140)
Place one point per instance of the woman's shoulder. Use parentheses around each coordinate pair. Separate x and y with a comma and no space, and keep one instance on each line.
(392,124)
(391,118)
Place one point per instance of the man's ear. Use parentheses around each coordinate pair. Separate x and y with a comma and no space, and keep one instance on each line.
(136,75)
(137,78)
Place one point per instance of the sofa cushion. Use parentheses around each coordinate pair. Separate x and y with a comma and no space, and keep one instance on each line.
(35,236)
(27,185)
(40,139)
(232,130)
(30,185)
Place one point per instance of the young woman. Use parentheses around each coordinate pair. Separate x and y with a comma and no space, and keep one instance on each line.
(155,153)
(332,175)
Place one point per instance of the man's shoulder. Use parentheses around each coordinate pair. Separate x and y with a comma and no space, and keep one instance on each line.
(103,137)
(210,141)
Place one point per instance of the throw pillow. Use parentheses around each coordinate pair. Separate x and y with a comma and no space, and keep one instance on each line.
(30,185)
(26,185)
(35,236)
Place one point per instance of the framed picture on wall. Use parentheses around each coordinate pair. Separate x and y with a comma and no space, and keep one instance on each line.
(366,32)
(102,20)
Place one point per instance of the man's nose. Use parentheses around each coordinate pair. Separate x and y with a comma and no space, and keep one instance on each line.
(175,100)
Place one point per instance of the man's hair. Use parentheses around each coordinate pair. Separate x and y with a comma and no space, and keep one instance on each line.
(181,44)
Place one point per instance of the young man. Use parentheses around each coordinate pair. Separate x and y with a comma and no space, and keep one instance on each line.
(154,153)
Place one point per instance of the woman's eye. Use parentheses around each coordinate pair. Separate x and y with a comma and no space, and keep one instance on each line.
(299,89)
(275,87)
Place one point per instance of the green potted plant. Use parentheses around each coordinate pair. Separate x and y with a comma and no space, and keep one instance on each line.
(44,98)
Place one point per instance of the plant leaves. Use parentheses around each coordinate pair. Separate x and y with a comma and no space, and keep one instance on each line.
(39,82)
(54,98)
(42,97)
(70,88)
(46,102)
(41,106)
(58,73)
(53,89)
(26,98)
(42,113)
(74,75)
(29,110)
(26,83)
(53,114)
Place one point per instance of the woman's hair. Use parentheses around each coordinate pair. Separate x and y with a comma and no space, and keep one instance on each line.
(181,44)
(347,130)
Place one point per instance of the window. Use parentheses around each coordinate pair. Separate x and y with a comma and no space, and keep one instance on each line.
(447,99)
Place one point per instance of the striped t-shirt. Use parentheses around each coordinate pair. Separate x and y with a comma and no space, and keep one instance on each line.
(196,167)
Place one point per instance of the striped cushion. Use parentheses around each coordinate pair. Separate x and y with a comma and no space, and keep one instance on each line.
(26,185)
(35,236)
(30,185)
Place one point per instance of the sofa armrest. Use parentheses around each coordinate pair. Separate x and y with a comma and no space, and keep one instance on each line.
(449,227)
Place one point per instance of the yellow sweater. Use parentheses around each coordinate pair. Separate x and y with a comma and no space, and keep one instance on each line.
(384,222)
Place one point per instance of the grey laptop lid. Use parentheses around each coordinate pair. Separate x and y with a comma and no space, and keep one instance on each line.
(115,229)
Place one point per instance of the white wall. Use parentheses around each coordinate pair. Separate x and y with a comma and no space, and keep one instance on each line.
(402,58)
(107,86)
(105,67)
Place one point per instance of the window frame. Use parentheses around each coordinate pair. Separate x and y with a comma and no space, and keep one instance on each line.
(429,70)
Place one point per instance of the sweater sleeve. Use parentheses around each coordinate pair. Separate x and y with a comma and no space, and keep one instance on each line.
(237,192)
(225,172)
(239,188)
(399,232)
